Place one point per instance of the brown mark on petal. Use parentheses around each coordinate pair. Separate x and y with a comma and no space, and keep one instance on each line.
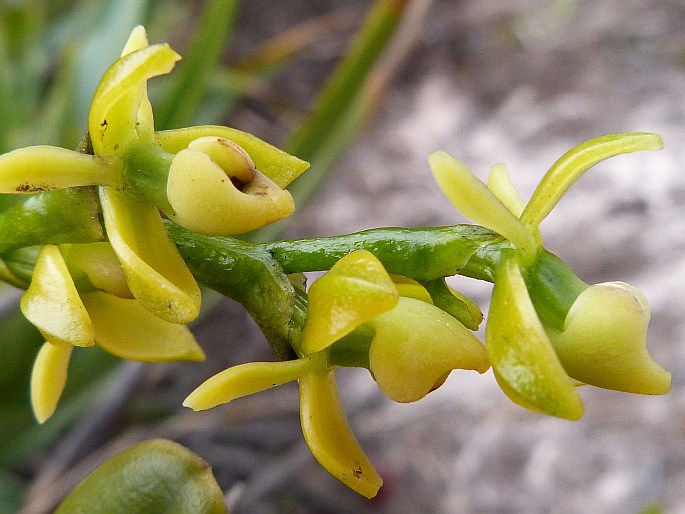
(357,472)
(31,188)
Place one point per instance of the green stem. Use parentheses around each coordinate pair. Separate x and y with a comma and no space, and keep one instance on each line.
(52,217)
(553,288)
(247,273)
(147,170)
(421,254)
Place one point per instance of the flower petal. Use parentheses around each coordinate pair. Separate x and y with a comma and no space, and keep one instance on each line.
(206,200)
(281,167)
(145,125)
(501,186)
(472,198)
(604,341)
(52,302)
(41,168)
(577,161)
(98,266)
(125,328)
(114,110)
(154,269)
(48,378)
(416,345)
(249,378)
(356,289)
(330,438)
(523,359)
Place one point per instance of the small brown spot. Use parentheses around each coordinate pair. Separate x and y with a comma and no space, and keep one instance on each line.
(30,188)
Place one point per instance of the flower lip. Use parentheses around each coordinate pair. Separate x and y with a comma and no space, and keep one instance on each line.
(604,341)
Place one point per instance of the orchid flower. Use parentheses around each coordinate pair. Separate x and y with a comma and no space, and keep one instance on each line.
(91,314)
(355,317)
(217,180)
(545,336)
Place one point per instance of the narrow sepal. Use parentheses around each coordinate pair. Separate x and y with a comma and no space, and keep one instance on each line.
(330,438)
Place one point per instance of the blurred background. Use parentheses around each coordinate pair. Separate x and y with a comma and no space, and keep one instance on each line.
(518,82)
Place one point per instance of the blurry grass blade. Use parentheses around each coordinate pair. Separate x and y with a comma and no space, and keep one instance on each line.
(7,109)
(199,61)
(348,78)
(285,45)
(57,125)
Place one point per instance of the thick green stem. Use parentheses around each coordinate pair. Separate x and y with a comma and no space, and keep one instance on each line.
(247,273)
(421,254)
(553,288)
(60,216)
(146,170)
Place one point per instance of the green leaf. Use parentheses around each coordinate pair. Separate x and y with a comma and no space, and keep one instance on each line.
(156,476)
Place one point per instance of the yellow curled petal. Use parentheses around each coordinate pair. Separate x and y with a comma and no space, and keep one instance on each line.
(472,198)
(125,328)
(570,166)
(330,438)
(523,359)
(52,302)
(410,288)
(41,168)
(416,345)
(48,378)
(154,269)
(604,341)
(114,110)
(206,200)
(250,378)
(236,162)
(356,289)
(281,167)
(501,186)
(145,125)
(98,265)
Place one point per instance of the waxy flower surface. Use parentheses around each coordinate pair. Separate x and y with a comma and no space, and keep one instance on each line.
(537,355)
(409,345)
(132,294)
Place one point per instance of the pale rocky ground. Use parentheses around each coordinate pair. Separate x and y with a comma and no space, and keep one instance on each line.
(518,82)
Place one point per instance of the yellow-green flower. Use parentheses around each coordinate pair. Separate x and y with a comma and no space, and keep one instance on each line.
(100,312)
(221,181)
(602,339)
(412,348)
(133,294)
